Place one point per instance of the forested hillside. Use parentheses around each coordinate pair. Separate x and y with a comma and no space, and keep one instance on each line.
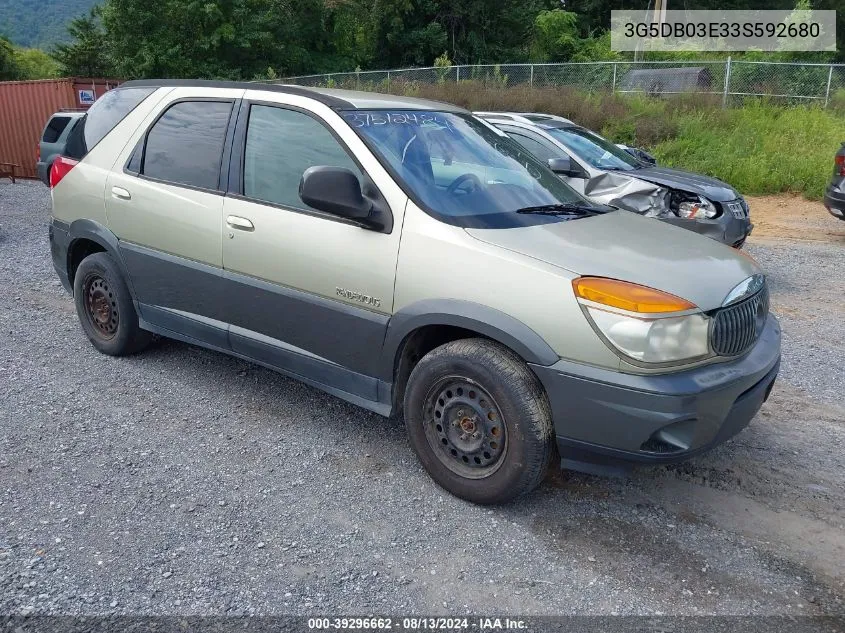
(39,23)
(245,39)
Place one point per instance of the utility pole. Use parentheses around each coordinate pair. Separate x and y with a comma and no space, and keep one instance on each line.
(658,16)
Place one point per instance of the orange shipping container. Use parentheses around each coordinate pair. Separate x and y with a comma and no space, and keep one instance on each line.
(25,107)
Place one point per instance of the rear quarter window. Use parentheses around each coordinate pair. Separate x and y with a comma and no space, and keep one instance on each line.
(55,128)
(102,117)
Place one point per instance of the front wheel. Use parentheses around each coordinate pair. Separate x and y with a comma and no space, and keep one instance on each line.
(479,421)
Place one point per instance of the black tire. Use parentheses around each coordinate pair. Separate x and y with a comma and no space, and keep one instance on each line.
(105,309)
(479,387)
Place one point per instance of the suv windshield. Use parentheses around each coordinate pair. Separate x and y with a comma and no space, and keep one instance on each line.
(595,150)
(461,171)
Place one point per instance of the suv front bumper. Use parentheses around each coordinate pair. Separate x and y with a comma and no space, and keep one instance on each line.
(604,417)
(726,228)
(834,201)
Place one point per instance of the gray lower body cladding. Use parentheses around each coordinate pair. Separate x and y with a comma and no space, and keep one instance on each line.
(59,243)
(603,417)
(598,413)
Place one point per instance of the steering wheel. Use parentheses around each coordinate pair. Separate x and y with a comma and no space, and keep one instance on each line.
(462,179)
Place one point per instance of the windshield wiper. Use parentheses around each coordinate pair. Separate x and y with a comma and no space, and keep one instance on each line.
(561,209)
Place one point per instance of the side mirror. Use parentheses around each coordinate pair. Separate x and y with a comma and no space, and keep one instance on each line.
(565,167)
(335,190)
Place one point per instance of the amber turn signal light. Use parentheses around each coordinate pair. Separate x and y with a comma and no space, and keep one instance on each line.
(628,296)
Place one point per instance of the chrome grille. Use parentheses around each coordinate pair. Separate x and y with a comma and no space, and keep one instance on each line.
(737,327)
(738,208)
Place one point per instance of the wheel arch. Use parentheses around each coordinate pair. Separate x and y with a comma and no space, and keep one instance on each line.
(418,328)
(87,237)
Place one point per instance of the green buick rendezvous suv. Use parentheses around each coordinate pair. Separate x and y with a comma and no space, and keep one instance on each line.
(410,258)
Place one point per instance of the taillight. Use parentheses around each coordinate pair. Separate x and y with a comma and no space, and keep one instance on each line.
(60,168)
(840,164)
(38,153)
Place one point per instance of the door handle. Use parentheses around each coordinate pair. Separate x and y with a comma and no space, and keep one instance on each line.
(120,192)
(237,222)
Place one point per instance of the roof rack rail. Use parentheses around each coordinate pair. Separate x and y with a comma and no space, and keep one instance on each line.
(522,117)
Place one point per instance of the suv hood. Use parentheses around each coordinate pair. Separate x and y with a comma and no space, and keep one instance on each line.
(624,245)
(706,186)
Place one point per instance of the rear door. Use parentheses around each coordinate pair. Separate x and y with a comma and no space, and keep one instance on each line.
(164,202)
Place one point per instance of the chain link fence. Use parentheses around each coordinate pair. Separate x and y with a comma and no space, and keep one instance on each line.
(731,81)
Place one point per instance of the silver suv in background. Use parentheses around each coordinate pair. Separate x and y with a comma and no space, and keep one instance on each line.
(606,173)
(53,141)
(834,197)
(409,258)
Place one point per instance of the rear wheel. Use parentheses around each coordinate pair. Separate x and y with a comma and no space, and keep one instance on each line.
(479,421)
(105,309)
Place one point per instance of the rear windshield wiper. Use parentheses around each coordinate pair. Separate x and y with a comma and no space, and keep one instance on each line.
(562,209)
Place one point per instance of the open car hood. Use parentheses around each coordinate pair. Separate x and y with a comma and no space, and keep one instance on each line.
(624,245)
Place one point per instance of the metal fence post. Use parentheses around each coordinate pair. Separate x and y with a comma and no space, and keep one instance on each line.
(457,74)
(388,80)
(727,82)
(531,77)
(613,86)
(827,92)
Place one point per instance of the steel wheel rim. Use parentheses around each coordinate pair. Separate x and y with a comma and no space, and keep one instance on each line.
(464,427)
(101,306)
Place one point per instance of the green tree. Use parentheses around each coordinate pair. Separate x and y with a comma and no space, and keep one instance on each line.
(556,35)
(490,32)
(87,55)
(33,63)
(9,69)
(231,39)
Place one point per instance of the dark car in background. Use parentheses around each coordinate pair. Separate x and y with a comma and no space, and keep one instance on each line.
(834,197)
(53,141)
(627,178)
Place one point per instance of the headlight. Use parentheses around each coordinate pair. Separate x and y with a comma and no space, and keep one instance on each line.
(644,324)
(693,207)
(664,340)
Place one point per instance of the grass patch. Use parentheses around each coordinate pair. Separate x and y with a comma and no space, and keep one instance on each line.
(759,148)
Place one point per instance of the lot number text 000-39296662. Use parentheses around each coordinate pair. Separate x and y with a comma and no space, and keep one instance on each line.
(418,623)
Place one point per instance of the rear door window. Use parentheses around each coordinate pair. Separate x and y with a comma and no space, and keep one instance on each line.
(102,117)
(185,145)
(55,128)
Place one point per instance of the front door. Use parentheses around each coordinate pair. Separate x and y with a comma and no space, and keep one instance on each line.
(306,288)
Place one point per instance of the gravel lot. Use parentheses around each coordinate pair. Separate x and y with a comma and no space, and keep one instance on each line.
(183,481)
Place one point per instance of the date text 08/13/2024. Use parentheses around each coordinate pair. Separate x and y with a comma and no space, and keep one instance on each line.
(417,623)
